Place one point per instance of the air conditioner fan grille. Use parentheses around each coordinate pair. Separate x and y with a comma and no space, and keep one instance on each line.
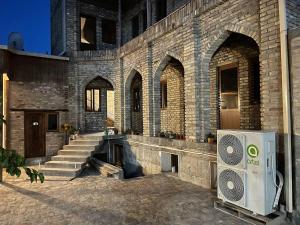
(230,150)
(231,185)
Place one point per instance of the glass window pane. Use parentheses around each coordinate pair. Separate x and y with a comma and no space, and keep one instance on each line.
(52,122)
(164,95)
(89,100)
(229,101)
(96,100)
(229,80)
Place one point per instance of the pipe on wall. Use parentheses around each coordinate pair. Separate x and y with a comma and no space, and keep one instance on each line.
(286,100)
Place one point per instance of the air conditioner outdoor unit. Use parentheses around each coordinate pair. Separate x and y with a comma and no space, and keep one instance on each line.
(247,169)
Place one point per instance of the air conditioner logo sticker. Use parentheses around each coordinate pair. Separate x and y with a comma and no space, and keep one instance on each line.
(252,151)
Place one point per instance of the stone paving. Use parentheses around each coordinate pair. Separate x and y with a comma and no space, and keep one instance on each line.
(92,199)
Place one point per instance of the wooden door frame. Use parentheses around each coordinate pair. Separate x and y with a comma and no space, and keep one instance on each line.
(25,131)
(219,71)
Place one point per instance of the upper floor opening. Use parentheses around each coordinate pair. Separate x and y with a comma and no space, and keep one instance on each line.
(102,24)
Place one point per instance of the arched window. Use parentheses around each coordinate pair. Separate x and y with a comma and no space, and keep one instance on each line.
(94,92)
(93,100)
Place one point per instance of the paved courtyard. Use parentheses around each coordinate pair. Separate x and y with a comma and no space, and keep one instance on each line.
(91,199)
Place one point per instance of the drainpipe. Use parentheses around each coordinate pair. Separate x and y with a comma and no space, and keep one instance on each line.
(286,100)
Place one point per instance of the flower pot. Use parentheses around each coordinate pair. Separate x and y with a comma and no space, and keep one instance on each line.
(210,140)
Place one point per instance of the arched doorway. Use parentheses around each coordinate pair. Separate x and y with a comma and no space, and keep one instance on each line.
(99,105)
(136,104)
(235,84)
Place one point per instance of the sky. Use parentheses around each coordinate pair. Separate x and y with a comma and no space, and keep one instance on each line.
(29,17)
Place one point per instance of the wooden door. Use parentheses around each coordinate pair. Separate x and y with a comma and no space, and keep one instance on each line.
(229,97)
(35,135)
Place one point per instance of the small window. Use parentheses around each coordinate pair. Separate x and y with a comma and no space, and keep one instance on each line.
(229,96)
(93,100)
(161,9)
(137,100)
(163,95)
(109,28)
(53,122)
(135,26)
(87,33)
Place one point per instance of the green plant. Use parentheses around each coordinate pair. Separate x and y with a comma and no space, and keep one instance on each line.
(13,162)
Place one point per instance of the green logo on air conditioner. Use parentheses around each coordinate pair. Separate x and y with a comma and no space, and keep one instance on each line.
(252,151)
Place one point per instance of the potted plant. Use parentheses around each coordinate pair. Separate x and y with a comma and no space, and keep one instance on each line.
(162,134)
(67,128)
(170,135)
(73,133)
(210,138)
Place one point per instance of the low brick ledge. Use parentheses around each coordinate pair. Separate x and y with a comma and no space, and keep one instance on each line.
(203,148)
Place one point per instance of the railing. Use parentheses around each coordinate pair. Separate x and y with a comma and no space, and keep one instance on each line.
(172,21)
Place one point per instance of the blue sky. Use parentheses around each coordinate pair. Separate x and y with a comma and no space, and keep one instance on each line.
(29,17)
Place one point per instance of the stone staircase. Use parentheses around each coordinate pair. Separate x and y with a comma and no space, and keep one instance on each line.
(72,158)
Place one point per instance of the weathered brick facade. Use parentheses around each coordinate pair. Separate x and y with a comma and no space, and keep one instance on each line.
(197,35)
(244,56)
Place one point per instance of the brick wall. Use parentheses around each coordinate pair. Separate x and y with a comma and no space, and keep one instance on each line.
(36,84)
(137,10)
(236,52)
(172,117)
(192,35)
(98,13)
(83,68)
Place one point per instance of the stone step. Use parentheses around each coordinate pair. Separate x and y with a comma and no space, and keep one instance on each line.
(64,164)
(79,147)
(69,158)
(89,137)
(72,158)
(75,152)
(84,142)
(60,172)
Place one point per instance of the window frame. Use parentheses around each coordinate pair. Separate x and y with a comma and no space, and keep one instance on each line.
(57,118)
(135,32)
(137,101)
(163,95)
(85,46)
(108,21)
(219,74)
(92,100)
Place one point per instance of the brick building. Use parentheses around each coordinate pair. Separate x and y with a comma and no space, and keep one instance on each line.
(34,94)
(168,63)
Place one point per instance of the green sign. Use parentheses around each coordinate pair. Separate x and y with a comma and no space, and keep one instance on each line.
(252,151)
